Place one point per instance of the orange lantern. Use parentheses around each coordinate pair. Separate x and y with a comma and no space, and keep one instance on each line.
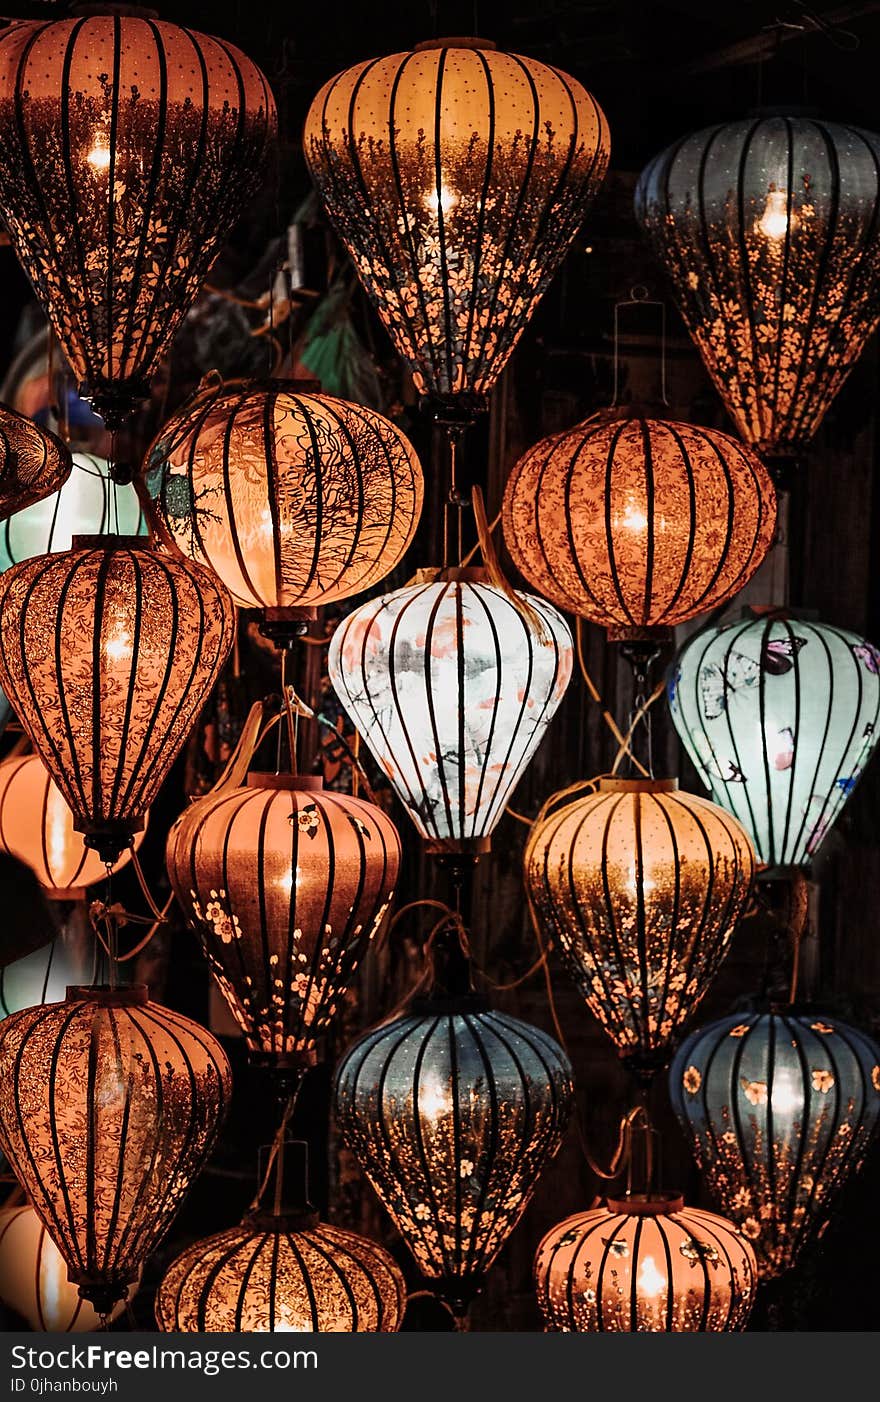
(33,1278)
(33,462)
(638,524)
(108,653)
(109,1108)
(286,885)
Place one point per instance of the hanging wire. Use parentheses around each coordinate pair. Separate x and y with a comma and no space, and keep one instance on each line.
(639,297)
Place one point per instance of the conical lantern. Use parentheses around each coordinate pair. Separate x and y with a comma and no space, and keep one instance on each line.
(636,523)
(36,825)
(645,1264)
(452,684)
(642,886)
(33,1278)
(109,652)
(286,885)
(767,227)
(780,716)
(33,462)
(109,1109)
(130,147)
(779,1108)
(456,176)
(293,498)
(89,503)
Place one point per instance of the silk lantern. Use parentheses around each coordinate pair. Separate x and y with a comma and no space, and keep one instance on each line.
(44,975)
(779,714)
(456,176)
(33,1278)
(89,503)
(131,146)
(33,462)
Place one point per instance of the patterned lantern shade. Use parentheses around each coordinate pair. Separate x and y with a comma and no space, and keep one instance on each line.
(768,229)
(645,1265)
(452,687)
(109,652)
(779,1108)
(33,1278)
(130,147)
(36,825)
(33,462)
(294,499)
(286,885)
(109,1108)
(89,503)
(642,887)
(456,176)
(779,715)
(638,524)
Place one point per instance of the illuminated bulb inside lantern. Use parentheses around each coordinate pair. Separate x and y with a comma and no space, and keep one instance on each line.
(651,1281)
(287,880)
(446,200)
(633,519)
(434,1102)
(776,221)
(99,156)
(118,646)
(785,1099)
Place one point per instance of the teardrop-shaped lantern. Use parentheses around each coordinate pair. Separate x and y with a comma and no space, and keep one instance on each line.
(89,503)
(642,887)
(130,147)
(33,462)
(109,1109)
(33,1278)
(780,716)
(779,1109)
(452,686)
(638,523)
(767,227)
(109,652)
(456,176)
(645,1264)
(286,885)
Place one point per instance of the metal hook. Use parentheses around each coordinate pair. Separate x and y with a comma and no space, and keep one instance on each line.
(639,297)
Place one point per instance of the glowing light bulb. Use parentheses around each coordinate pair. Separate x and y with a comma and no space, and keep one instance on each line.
(446,200)
(785,1098)
(99,156)
(776,221)
(434,1101)
(118,646)
(634,519)
(651,1281)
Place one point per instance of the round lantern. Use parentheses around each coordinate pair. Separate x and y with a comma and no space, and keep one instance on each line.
(44,975)
(33,1278)
(779,1108)
(645,1264)
(452,686)
(767,228)
(456,176)
(109,652)
(89,503)
(33,462)
(36,825)
(638,524)
(286,885)
(642,887)
(109,1108)
(130,147)
(779,714)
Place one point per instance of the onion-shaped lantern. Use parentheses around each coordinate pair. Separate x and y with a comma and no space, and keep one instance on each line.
(642,887)
(109,1108)
(638,524)
(452,1111)
(89,503)
(33,462)
(36,825)
(109,652)
(286,885)
(452,683)
(645,1264)
(779,1108)
(780,716)
(33,1278)
(130,147)
(293,498)
(767,229)
(456,176)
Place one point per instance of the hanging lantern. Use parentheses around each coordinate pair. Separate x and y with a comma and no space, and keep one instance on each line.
(767,229)
(645,1264)
(89,503)
(33,1278)
(130,148)
(33,462)
(642,887)
(457,177)
(44,975)
(452,1111)
(109,1108)
(779,714)
(779,1108)
(452,684)
(36,825)
(286,885)
(638,524)
(109,652)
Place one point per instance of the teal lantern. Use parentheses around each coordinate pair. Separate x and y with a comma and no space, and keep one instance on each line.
(89,503)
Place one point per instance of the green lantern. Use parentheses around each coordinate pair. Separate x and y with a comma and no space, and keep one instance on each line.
(89,503)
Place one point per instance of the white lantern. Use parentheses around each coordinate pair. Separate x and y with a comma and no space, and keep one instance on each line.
(89,503)
(33,1278)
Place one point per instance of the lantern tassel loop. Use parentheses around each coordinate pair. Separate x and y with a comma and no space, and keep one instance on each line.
(638,297)
(276,1156)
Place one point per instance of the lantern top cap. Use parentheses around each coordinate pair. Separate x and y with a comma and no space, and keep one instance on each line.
(658,1204)
(135,996)
(95,8)
(458,42)
(313,783)
(638,785)
(110,542)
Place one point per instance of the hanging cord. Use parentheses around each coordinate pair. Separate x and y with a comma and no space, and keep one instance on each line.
(597,698)
(639,297)
(276,1156)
